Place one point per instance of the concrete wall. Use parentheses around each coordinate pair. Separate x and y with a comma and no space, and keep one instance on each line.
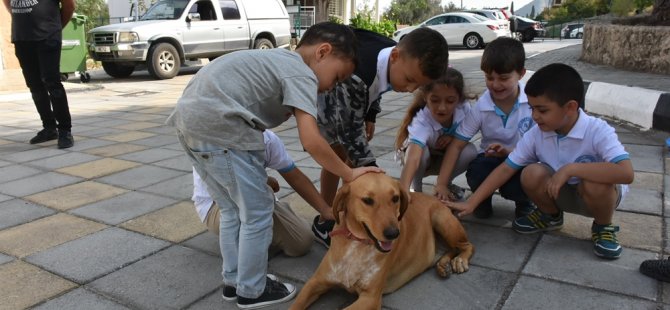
(7,58)
(637,48)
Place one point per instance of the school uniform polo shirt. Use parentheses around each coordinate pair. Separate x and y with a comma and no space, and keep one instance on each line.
(496,126)
(381,83)
(591,140)
(276,157)
(424,130)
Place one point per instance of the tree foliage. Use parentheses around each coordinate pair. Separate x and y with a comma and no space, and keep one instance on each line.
(410,12)
(574,10)
(96,11)
(622,7)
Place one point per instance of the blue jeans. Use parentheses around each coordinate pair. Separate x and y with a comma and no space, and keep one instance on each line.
(482,166)
(40,64)
(237,182)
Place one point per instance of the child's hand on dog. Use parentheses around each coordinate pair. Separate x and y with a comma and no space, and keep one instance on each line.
(357,172)
(463,208)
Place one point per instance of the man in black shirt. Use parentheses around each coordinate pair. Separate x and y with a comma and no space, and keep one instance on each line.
(37,36)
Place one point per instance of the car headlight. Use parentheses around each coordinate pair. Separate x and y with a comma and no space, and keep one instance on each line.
(128,37)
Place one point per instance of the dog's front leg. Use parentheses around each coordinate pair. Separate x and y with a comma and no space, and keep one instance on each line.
(368,300)
(314,288)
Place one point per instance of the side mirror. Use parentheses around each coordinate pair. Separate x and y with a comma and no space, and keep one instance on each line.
(192,17)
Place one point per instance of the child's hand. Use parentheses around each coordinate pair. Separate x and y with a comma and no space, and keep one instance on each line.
(463,208)
(272,182)
(556,182)
(369,130)
(443,141)
(443,193)
(496,150)
(357,172)
(326,215)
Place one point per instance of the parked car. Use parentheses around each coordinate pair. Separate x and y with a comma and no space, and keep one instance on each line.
(173,31)
(565,32)
(471,30)
(577,33)
(496,15)
(526,29)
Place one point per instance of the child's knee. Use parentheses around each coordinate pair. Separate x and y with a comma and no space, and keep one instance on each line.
(534,176)
(592,190)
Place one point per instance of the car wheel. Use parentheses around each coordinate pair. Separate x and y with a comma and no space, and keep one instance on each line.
(263,44)
(64,77)
(163,61)
(472,41)
(528,36)
(117,70)
(518,36)
(579,35)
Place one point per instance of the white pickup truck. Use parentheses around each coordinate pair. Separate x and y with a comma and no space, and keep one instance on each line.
(173,31)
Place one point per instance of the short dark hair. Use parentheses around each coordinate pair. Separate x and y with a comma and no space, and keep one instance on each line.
(341,37)
(430,47)
(558,82)
(503,55)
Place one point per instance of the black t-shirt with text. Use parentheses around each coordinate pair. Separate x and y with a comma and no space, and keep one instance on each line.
(35,20)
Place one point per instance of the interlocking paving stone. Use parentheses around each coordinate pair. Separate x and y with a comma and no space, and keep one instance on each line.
(646,180)
(642,201)
(89,144)
(24,285)
(98,168)
(172,278)
(97,254)
(5,259)
(297,268)
(36,184)
(115,149)
(64,160)
(207,242)
(15,172)
(80,299)
(30,155)
(17,211)
(498,249)
(557,295)
(139,177)
(137,125)
(572,261)
(181,163)
(157,140)
(76,195)
(13,148)
(646,158)
(102,132)
(175,223)
(180,188)
(45,233)
(123,207)
(151,155)
(128,136)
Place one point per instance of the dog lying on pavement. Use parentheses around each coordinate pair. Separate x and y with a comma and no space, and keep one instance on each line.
(382,239)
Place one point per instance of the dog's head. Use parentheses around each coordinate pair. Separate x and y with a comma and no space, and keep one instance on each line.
(371,206)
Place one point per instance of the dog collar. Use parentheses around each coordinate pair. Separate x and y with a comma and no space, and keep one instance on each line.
(345,232)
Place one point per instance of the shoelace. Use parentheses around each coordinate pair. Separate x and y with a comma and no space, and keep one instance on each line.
(537,218)
(605,233)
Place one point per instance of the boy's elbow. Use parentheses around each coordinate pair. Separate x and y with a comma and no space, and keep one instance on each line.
(629,177)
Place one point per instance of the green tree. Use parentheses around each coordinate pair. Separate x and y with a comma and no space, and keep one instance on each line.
(622,7)
(451,7)
(642,4)
(96,11)
(412,11)
(532,12)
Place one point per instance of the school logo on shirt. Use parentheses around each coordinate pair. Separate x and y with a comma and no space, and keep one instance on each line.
(525,124)
(586,159)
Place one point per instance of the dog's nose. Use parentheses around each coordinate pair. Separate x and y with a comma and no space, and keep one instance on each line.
(390,233)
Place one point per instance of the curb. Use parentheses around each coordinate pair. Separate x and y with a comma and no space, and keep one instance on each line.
(649,109)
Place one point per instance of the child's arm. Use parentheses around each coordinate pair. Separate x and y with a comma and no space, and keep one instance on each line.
(447,168)
(318,148)
(496,150)
(304,187)
(602,172)
(494,181)
(412,161)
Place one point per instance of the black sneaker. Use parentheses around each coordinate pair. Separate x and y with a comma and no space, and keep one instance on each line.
(65,139)
(658,269)
(321,230)
(523,209)
(456,191)
(275,292)
(44,135)
(229,293)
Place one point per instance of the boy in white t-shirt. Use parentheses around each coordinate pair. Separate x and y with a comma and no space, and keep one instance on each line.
(290,233)
(573,162)
(502,115)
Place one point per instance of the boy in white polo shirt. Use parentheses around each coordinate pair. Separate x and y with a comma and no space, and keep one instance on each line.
(290,233)
(502,115)
(573,162)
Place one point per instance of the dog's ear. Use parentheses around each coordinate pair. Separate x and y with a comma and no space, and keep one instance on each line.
(404,202)
(340,202)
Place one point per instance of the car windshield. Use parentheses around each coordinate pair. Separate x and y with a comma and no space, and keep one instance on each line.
(165,9)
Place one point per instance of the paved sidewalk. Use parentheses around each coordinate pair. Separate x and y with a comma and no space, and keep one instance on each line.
(108,224)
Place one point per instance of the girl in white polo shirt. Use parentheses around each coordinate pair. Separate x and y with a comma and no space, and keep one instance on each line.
(428,128)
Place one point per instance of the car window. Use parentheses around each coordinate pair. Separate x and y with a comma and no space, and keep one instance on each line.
(229,9)
(205,9)
(459,20)
(437,21)
(479,17)
(165,9)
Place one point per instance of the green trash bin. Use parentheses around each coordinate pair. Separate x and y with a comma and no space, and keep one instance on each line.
(73,51)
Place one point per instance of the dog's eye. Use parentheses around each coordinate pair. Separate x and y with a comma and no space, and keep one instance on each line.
(368,201)
(395,199)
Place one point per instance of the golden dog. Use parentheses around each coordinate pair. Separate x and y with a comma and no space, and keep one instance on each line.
(381,241)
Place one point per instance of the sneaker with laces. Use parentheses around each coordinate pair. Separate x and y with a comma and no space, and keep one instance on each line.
(65,139)
(321,230)
(658,269)
(44,135)
(275,292)
(605,244)
(538,221)
(229,292)
(456,191)
(523,208)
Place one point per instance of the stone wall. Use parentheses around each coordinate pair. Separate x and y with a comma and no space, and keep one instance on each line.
(636,48)
(9,61)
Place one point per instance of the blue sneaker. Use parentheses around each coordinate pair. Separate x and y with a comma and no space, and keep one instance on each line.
(538,221)
(523,208)
(605,244)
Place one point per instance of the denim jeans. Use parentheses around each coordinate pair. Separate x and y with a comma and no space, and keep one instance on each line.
(482,166)
(40,63)
(237,182)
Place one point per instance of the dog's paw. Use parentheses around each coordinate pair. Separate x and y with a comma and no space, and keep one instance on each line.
(459,265)
(443,270)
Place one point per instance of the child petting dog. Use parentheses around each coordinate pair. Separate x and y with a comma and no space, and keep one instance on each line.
(573,163)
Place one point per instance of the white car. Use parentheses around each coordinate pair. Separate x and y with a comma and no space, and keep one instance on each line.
(471,30)
(577,33)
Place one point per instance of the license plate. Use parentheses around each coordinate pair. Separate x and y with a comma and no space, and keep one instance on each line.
(103,49)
